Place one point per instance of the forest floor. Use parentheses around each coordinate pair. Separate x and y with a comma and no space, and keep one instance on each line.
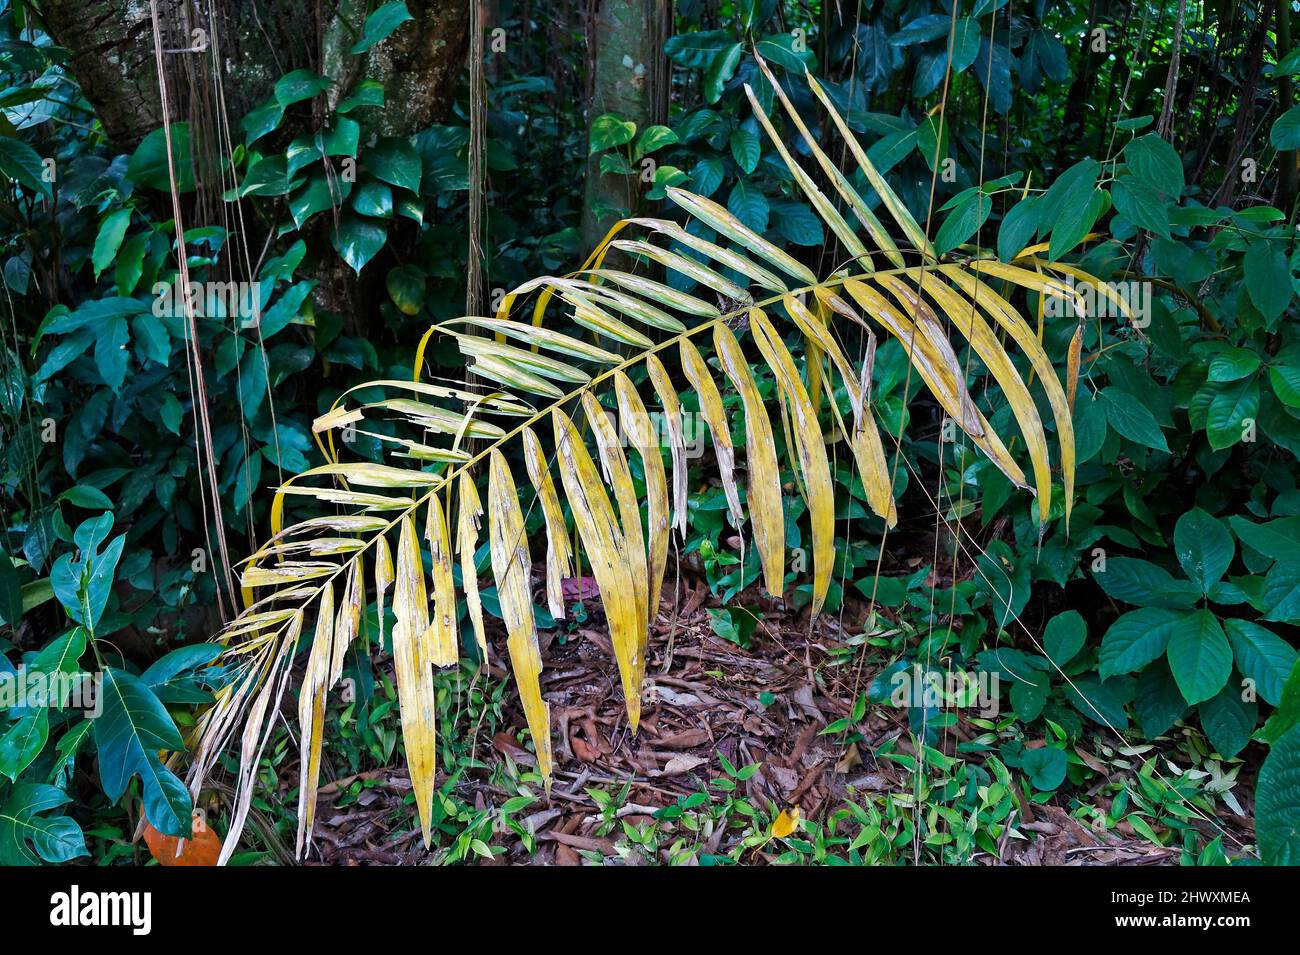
(730,738)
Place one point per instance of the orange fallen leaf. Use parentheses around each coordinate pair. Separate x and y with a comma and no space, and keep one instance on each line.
(203,849)
(785,823)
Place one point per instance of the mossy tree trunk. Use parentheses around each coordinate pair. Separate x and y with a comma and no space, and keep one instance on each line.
(627,76)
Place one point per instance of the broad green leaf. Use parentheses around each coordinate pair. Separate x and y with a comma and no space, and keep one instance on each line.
(29,835)
(1268,277)
(1199,656)
(1132,419)
(1097,700)
(405,285)
(1228,720)
(1158,702)
(380,24)
(1045,766)
(151,338)
(373,199)
(749,205)
(1156,164)
(367,93)
(148,165)
(395,161)
(11,592)
(1277,802)
(1142,205)
(1064,636)
(1145,584)
(1232,411)
(654,137)
(1278,539)
(299,85)
(1233,363)
(23,741)
(83,582)
(965,46)
(720,71)
(923,29)
(963,222)
(1285,133)
(1018,227)
(129,732)
(1204,548)
(358,240)
(1136,639)
(1281,596)
(745,149)
(111,232)
(269,176)
(1262,656)
(609,130)
(23,165)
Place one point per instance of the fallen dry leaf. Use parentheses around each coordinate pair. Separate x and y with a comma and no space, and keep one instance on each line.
(786,823)
(202,849)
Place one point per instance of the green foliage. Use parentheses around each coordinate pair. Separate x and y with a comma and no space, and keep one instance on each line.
(1181,556)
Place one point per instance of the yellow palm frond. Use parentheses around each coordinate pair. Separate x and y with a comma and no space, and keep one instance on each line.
(545,407)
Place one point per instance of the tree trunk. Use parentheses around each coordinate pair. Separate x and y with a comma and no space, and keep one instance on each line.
(625,38)
(113,56)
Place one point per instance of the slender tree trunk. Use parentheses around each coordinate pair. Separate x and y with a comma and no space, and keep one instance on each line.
(1165,126)
(1286,180)
(626,42)
(1244,121)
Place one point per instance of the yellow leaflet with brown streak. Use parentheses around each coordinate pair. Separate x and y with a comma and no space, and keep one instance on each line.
(842,185)
(723,221)
(542,338)
(732,260)
(445,650)
(868,450)
(614,465)
(416,695)
(911,228)
(558,554)
(1033,281)
(311,715)
(607,552)
(938,372)
(765,508)
(950,392)
(684,266)
(672,418)
(924,319)
(1101,288)
(1007,317)
(348,623)
(967,318)
(828,213)
(1072,366)
(383,578)
(810,449)
(467,525)
(663,294)
(697,373)
(257,730)
(512,567)
(636,424)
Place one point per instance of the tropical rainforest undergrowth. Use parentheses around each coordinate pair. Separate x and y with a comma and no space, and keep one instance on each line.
(724,431)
